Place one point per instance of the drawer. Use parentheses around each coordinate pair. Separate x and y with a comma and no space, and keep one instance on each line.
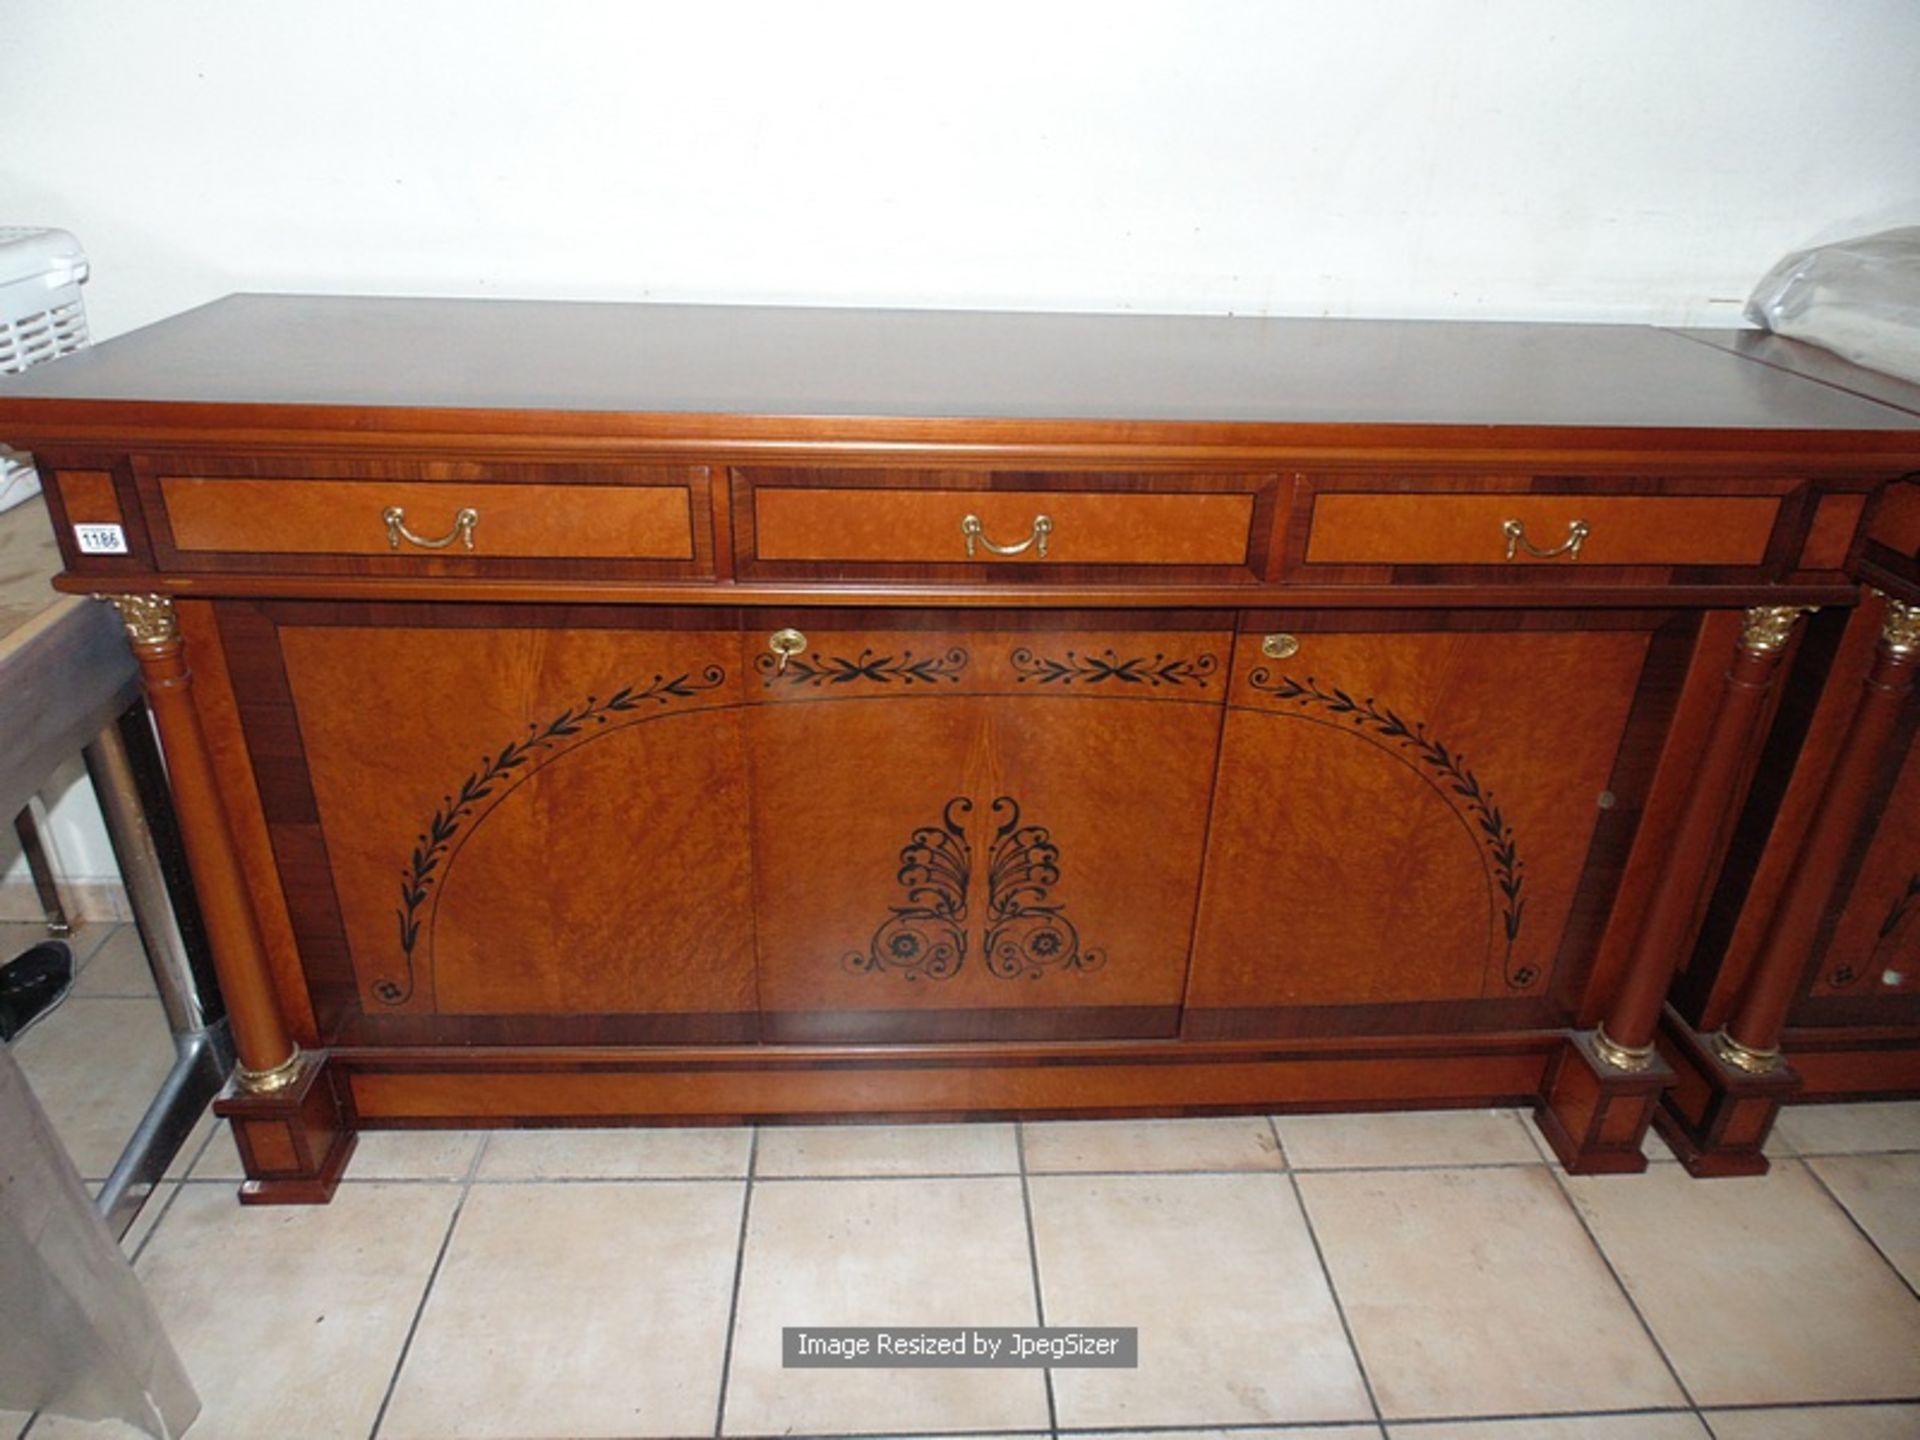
(525,521)
(1570,528)
(1169,527)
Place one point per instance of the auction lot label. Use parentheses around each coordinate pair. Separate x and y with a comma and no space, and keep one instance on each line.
(984,1347)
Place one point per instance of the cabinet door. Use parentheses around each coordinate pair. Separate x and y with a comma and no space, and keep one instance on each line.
(980,833)
(1403,822)
(494,830)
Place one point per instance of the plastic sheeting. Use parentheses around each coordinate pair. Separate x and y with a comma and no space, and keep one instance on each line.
(1858,298)
(78,1336)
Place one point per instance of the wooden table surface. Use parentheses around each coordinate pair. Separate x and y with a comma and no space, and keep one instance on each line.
(29,560)
(65,671)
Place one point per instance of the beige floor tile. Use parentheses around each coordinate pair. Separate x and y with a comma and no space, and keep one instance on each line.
(1476,1292)
(197,1139)
(90,935)
(61,1427)
(882,1252)
(18,935)
(1659,1152)
(1827,1422)
(220,1160)
(150,1212)
(414,1154)
(290,1319)
(667,1153)
(1850,1129)
(1290,1432)
(87,937)
(887,1150)
(1760,1290)
(577,1310)
(12,1422)
(1673,1426)
(118,968)
(378,1155)
(1218,1272)
(1228,1143)
(96,1065)
(1882,1193)
(1406,1137)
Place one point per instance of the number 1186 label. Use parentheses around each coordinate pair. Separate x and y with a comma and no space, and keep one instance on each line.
(100,539)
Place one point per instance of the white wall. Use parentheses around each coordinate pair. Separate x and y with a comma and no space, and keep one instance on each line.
(1630,160)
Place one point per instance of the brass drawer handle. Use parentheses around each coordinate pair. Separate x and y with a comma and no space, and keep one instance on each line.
(975,534)
(462,531)
(786,644)
(1516,533)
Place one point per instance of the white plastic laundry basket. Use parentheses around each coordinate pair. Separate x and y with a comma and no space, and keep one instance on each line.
(41,316)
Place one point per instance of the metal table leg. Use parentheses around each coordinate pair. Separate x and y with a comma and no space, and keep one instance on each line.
(129,779)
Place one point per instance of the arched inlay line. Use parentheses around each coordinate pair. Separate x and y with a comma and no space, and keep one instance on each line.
(497,776)
(1886,948)
(1446,771)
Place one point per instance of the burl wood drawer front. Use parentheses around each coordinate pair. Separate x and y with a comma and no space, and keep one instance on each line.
(1038,527)
(652,521)
(1350,524)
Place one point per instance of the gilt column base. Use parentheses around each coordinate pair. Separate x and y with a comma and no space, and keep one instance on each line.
(1594,1112)
(295,1139)
(1722,1106)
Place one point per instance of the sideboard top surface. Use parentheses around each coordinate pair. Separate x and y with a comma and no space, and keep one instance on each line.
(1798,357)
(688,360)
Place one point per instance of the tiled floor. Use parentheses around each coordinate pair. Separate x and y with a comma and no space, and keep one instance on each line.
(1376,1276)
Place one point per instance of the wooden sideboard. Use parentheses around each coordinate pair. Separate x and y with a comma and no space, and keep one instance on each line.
(613,714)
